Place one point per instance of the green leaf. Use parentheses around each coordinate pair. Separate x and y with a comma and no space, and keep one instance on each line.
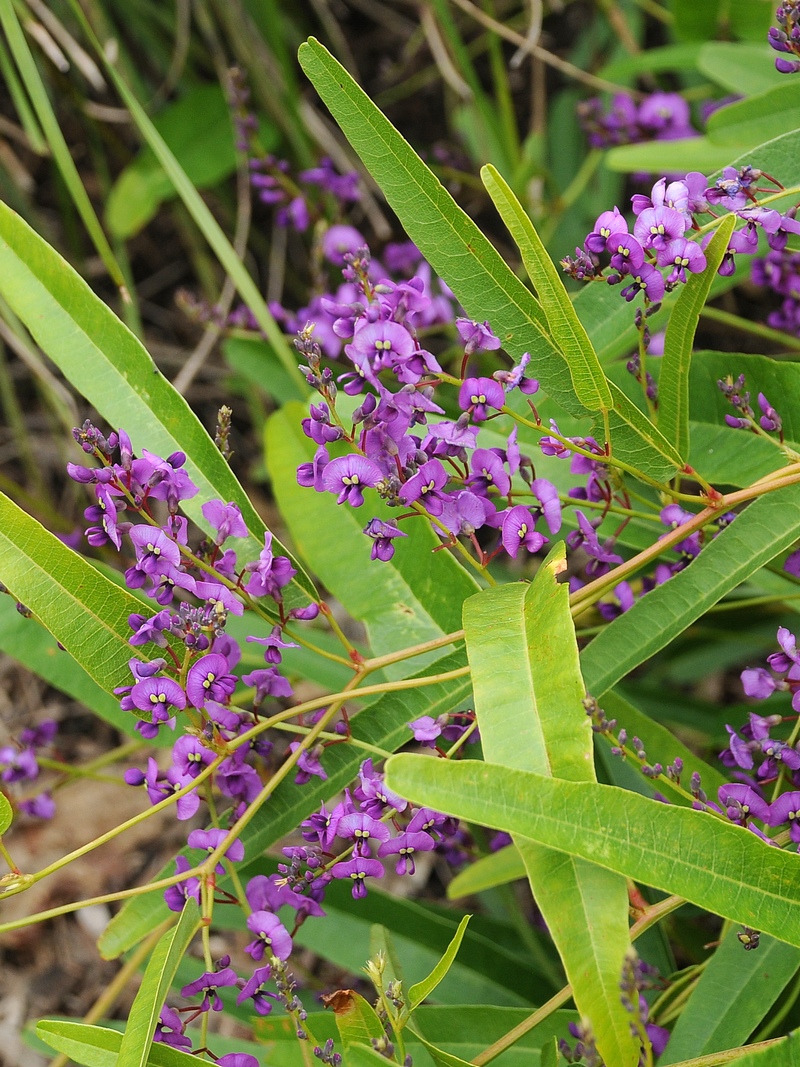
(255,361)
(693,21)
(758,118)
(446,236)
(669,57)
(156,983)
(35,648)
(637,441)
(735,992)
(382,724)
(658,157)
(497,868)
(415,597)
(751,19)
(529,700)
(422,990)
(673,382)
(198,130)
(6,813)
(744,69)
(588,378)
(762,531)
(83,610)
(356,1020)
(693,854)
(97,1046)
(109,366)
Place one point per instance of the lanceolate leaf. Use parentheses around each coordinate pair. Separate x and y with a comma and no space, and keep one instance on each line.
(83,610)
(693,854)
(528,697)
(98,1046)
(636,440)
(356,1020)
(673,383)
(735,992)
(382,724)
(414,597)
(764,529)
(446,236)
(6,814)
(422,990)
(587,374)
(109,366)
(158,976)
(496,868)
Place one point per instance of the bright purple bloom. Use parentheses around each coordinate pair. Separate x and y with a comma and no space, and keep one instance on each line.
(254,989)
(226,519)
(381,345)
(209,840)
(645,280)
(488,472)
(362,829)
(357,869)
(340,240)
(627,254)
(426,486)
(741,803)
(681,255)
(477,395)
(547,495)
(425,729)
(159,696)
(770,419)
(382,534)
(519,531)
(348,475)
(209,679)
(238,1059)
(169,1029)
(757,683)
(177,895)
(404,846)
(269,573)
(153,549)
(267,681)
(208,983)
(273,645)
(271,936)
(476,336)
(608,223)
(786,809)
(374,794)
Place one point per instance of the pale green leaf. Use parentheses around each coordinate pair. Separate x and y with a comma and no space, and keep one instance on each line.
(156,983)
(422,990)
(744,69)
(659,157)
(6,813)
(758,118)
(81,608)
(588,378)
(673,382)
(528,698)
(711,862)
(735,992)
(109,366)
(356,1020)
(764,529)
(497,868)
(99,1046)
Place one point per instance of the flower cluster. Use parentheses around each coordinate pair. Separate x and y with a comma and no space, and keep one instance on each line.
(658,117)
(779,270)
(785,38)
(19,764)
(662,222)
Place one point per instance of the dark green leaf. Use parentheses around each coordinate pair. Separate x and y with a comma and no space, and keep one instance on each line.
(735,992)
(673,382)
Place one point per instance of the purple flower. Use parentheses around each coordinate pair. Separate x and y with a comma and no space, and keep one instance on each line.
(270,935)
(426,486)
(357,869)
(647,280)
(226,519)
(425,729)
(404,846)
(309,475)
(374,794)
(381,345)
(608,223)
(741,803)
(209,840)
(267,681)
(169,1029)
(238,1059)
(158,696)
(488,472)
(476,336)
(362,829)
(269,573)
(153,549)
(382,534)
(757,683)
(41,806)
(519,531)
(209,679)
(681,255)
(177,895)
(547,495)
(308,764)
(786,809)
(627,254)
(770,419)
(340,240)
(273,645)
(254,989)
(477,395)
(348,475)
(207,984)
